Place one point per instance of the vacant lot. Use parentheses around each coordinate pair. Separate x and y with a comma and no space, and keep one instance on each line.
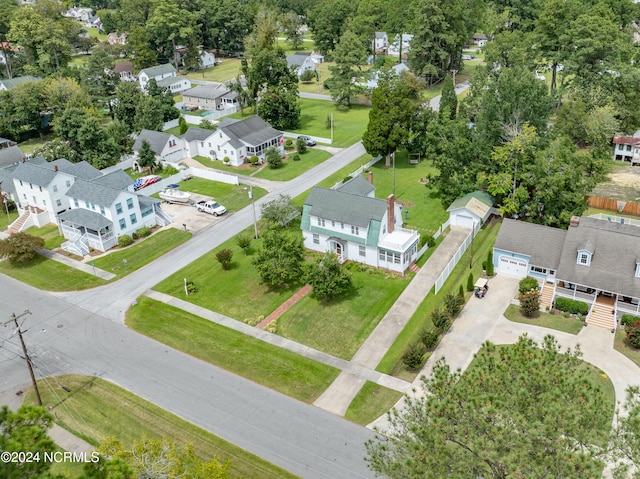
(227,69)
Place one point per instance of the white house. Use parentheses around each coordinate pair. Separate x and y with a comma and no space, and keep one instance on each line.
(199,142)
(301,63)
(207,59)
(167,147)
(380,42)
(354,225)
(372,82)
(623,147)
(175,84)
(479,39)
(81,14)
(394,47)
(212,96)
(7,84)
(158,73)
(471,210)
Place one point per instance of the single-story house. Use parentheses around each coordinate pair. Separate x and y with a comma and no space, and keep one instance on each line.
(125,70)
(479,39)
(158,73)
(595,261)
(239,140)
(354,225)
(301,63)
(623,147)
(167,147)
(471,210)
(8,84)
(214,96)
(175,84)
(372,82)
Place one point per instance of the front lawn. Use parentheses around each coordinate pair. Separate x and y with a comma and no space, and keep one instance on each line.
(292,169)
(545,320)
(246,169)
(233,197)
(96,409)
(50,233)
(276,368)
(315,86)
(622,345)
(339,327)
(371,402)
(227,69)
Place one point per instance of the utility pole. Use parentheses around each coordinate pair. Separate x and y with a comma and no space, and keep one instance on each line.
(15,318)
(253,206)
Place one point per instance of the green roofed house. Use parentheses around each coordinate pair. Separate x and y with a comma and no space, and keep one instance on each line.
(356,226)
(471,210)
(14,82)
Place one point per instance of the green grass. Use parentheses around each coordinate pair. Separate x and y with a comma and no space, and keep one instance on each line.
(246,169)
(173,131)
(483,242)
(237,293)
(96,409)
(623,346)
(29,146)
(50,233)
(292,169)
(339,327)
(256,360)
(227,70)
(142,252)
(93,32)
(6,220)
(545,320)
(371,402)
(312,87)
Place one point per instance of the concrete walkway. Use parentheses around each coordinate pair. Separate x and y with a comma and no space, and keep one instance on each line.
(338,396)
(268,185)
(79,265)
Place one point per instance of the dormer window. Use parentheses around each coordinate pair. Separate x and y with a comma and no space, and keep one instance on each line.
(584,257)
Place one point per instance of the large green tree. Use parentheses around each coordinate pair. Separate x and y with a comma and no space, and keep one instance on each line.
(520,410)
(170,26)
(279,107)
(350,56)
(280,260)
(128,96)
(327,278)
(328,21)
(449,98)
(20,248)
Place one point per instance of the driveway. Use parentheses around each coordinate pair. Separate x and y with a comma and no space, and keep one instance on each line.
(194,220)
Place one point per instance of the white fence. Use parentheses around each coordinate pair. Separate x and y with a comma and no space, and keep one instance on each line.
(453,262)
(125,164)
(214,175)
(212,115)
(220,176)
(364,167)
(616,219)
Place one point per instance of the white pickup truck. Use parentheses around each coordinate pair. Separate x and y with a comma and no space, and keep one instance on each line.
(212,207)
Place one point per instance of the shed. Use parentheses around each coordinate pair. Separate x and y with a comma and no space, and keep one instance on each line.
(471,210)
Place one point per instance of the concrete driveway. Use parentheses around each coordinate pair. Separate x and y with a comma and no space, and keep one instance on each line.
(190,216)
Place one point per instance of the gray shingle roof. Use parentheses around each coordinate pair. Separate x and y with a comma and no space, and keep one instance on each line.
(295,60)
(157,140)
(167,82)
(613,265)
(345,207)
(17,81)
(543,243)
(357,186)
(93,192)
(116,179)
(152,72)
(196,134)
(40,174)
(82,170)
(10,155)
(209,92)
(254,130)
(88,219)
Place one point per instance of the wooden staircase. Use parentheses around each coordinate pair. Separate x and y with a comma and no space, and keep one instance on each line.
(546,295)
(601,316)
(16,226)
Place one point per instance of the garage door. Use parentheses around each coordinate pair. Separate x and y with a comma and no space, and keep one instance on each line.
(512,266)
(466,221)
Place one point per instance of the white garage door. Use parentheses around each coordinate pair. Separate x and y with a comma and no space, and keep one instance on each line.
(512,266)
(466,221)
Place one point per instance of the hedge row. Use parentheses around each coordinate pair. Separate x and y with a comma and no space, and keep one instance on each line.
(572,306)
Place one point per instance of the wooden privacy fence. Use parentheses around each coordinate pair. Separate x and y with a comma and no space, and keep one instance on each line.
(628,207)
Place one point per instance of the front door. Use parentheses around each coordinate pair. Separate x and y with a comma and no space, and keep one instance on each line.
(338,249)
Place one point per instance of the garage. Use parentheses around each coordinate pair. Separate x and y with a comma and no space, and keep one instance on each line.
(465,221)
(512,266)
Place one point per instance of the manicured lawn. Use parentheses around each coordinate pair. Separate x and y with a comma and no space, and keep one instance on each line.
(545,320)
(173,131)
(623,346)
(162,172)
(312,87)
(483,242)
(258,361)
(371,402)
(219,165)
(237,293)
(339,327)
(142,252)
(233,197)
(93,32)
(6,220)
(227,70)
(50,233)
(96,409)
(292,169)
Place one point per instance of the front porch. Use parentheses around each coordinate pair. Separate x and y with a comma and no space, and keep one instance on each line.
(86,230)
(603,305)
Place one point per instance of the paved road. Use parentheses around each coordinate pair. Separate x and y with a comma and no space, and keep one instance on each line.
(434,103)
(82,333)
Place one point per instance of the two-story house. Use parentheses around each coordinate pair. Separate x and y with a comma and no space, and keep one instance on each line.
(165,76)
(213,96)
(356,226)
(300,63)
(624,147)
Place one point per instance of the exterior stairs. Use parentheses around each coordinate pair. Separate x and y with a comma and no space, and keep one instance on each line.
(602,317)
(414,267)
(17,225)
(546,295)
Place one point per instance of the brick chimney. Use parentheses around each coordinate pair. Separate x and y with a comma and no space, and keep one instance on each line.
(370,176)
(55,167)
(391,213)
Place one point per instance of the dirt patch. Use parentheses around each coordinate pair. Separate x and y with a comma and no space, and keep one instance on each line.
(622,184)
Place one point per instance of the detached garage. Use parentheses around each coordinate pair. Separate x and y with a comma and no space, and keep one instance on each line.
(471,210)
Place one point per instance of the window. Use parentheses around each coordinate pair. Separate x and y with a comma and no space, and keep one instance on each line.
(35,202)
(382,255)
(86,205)
(75,203)
(119,208)
(20,182)
(30,186)
(133,219)
(123,223)
(584,258)
(316,239)
(58,203)
(628,147)
(40,188)
(333,223)
(355,230)
(102,211)
(129,203)
(68,183)
(342,225)
(620,147)
(362,250)
(321,222)
(638,270)
(55,188)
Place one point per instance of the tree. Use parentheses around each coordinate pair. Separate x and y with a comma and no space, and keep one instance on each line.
(56,149)
(138,45)
(244,242)
(68,124)
(279,107)
(97,147)
(389,117)
(301,145)
(149,114)
(207,125)
(182,123)
(412,357)
(489,267)
(129,96)
(349,55)
(20,247)
(291,23)
(225,24)
(279,211)
(327,278)
(626,435)
(99,78)
(119,131)
(64,93)
(265,32)
(164,95)
(146,156)
(529,302)
(470,283)
(224,258)
(279,261)
(170,26)
(268,68)
(440,319)
(453,304)
(273,157)
(519,411)
(25,430)
(449,99)
(328,21)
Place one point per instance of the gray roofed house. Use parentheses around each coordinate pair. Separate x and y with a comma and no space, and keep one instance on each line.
(208,97)
(86,218)
(344,207)
(358,186)
(7,84)
(159,70)
(83,170)
(93,192)
(471,210)
(167,147)
(252,131)
(116,179)
(196,134)
(40,174)
(300,63)
(10,153)
(175,84)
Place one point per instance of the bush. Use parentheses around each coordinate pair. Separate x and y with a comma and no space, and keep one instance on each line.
(527,283)
(301,145)
(243,241)
(529,302)
(273,157)
(21,247)
(633,334)
(125,240)
(288,144)
(452,304)
(572,306)
(428,240)
(412,357)
(461,292)
(254,160)
(134,236)
(490,263)
(628,319)
(226,160)
(308,76)
(429,338)
(296,157)
(440,320)
(144,232)
(224,257)
(191,287)
(470,283)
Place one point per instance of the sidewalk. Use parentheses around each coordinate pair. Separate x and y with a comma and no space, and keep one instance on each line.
(79,265)
(338,396)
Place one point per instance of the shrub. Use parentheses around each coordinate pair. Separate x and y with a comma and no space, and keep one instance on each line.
(301,145)
(461,292)
(429,338)
(308,76)
(20,247)
(288,144)
(452,304)
(135,236)
(226,160)
(243,241)
(125,240)
(572,306)
(224,257)
(490,263)
(254,160)
(412,357)
(169,170)
(529,302)
(527,283)
(633,334)
(273,157)
(296,157)
(191,287)
(440,320)
(428,240)
(470,283)
(144,232)
(628,319)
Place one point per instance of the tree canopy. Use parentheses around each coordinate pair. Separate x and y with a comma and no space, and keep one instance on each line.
(281,257)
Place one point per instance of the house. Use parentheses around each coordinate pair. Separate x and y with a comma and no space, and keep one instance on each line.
(199,142)
(85,203)
(13,82)
(158,73)
(125,71)
(623,147)
(207,59)
(212,96)
(380,42)
(479,39)
(175,84)
(93,22)
(114,39)
(471,210)
(354,225)
(315,57)
(595,261)
(398,69)
(239,140)
(301,63)
(168,148)
(394,47)
(10,153)
(4,48)
(81,14)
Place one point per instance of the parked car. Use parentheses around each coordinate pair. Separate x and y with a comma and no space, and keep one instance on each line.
(540,76)
(211,206)
(468,57)
(309,141)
